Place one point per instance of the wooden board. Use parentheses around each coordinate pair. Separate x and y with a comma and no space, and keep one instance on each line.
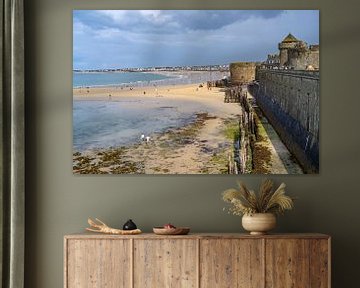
(98,263)
(231,263)
(287,263)
(165,263)
(320,263)
(89,235)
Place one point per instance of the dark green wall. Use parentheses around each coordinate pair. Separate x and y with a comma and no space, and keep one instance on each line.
(59,203)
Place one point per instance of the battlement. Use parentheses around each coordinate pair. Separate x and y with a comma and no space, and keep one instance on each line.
(314,47)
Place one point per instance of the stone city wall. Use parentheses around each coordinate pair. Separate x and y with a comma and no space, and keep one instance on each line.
(290,100)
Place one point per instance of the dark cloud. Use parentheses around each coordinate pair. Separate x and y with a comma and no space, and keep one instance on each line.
(132,38)
(168,20)
(216,19)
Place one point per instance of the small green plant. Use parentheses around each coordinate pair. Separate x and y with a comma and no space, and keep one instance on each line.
(267,200)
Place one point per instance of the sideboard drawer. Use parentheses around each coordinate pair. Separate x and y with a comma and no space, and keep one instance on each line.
(297,263)
(98,263)
(165,263)
(231,263)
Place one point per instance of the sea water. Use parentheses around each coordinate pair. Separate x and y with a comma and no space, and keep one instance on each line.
(90,79)
(104,124)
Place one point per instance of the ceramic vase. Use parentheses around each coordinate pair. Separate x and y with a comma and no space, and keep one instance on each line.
(259,223)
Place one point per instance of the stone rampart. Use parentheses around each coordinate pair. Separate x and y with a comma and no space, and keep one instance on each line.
(290,100)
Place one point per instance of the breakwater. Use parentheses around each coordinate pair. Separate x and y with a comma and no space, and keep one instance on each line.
(290,100)
(242,160)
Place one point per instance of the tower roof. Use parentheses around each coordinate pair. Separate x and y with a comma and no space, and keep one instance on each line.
(290,38)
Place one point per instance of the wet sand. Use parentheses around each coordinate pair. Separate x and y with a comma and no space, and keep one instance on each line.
(200,147)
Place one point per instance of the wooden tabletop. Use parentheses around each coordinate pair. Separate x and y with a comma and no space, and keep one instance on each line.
(89,235)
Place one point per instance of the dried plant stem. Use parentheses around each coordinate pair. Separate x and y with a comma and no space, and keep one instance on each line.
(245,201)
(101,227)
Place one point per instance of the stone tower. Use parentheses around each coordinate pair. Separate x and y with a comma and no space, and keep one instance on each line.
(289,42)
(295,54)
(242,72)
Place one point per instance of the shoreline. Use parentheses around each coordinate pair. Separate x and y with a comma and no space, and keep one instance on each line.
(180,77)
(201,147)
(184,150)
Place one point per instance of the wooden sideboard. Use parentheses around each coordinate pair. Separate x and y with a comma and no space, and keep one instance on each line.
(197,260)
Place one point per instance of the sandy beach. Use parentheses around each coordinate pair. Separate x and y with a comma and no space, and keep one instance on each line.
(185,92)
(203,146)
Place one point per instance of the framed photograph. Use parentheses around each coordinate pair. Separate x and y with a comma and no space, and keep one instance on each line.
(196,91)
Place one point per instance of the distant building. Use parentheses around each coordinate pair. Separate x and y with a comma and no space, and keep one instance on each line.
(272,61)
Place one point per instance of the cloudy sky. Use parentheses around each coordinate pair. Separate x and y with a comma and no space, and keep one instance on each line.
(134,38)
